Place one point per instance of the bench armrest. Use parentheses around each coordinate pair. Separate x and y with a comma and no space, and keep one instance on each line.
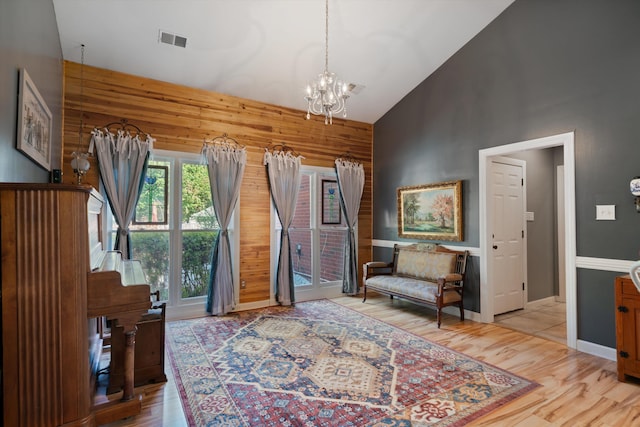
(378,264)
(452,277)
(375,268)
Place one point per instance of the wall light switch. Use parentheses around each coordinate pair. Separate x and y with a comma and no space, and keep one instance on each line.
(605,212)
(529,216)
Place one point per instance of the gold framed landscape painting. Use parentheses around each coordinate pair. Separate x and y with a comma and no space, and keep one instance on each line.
(431,211)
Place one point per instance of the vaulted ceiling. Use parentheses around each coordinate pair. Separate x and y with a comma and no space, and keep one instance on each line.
(268,50)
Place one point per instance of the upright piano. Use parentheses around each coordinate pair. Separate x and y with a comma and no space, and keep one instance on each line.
(56,282)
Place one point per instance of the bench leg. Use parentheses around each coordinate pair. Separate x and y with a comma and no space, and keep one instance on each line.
(439,316)
(365,294)
(461,311)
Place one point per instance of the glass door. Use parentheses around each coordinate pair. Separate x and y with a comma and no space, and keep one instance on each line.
(318,235)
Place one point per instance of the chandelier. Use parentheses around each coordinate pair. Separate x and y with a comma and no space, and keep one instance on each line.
(327,94)
(80,162)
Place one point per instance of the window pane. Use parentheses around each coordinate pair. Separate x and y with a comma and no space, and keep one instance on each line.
(196,262)
(152,249)
(152,203)
(301,256)
(197,209)
(301,217)
(332,243)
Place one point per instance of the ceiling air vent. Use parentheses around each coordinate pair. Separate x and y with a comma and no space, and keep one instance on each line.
(355,88)
(172,39)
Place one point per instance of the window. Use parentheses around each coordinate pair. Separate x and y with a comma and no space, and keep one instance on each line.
(317,235)
(174,228)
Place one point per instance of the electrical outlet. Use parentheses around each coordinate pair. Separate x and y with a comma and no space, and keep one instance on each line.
(243,284)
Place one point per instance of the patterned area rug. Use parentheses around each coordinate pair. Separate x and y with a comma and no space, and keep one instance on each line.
(322,364)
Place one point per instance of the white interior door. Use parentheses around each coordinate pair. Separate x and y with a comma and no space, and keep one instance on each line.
(507,234)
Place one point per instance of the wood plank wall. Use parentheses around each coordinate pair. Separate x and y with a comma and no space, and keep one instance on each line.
(180,118)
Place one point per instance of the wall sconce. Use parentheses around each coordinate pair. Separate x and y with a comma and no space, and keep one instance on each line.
(80,165)
(635,190)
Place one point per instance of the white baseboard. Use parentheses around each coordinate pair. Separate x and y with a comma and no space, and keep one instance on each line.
(468,314)
(597,350)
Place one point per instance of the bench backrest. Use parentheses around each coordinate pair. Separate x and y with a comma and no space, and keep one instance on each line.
(408,260)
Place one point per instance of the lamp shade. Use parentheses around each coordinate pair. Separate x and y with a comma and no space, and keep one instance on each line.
(80,163)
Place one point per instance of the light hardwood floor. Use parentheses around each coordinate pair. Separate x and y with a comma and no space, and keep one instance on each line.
(545,318)
(577,389)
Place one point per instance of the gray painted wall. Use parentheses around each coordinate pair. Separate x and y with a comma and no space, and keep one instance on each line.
(28,39)
(543,67)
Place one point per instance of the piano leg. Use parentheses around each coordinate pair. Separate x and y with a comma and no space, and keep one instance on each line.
(130,404)
(129,364)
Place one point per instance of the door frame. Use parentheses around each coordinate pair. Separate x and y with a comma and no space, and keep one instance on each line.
(523,166)
(565,140)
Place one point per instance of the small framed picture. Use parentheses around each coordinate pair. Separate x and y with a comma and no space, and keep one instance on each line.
(34,123)
(330,202)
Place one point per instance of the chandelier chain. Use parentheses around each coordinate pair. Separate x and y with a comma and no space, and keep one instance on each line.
(326,36)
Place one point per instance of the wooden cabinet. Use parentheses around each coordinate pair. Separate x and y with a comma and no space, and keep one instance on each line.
(52,295)
(627,328)
(46,335)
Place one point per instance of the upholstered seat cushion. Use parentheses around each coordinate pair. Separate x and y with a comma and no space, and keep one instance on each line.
(414,288)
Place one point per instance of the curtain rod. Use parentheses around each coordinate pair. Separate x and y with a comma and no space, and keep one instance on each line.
(283,148)
(349,157)
(224,139)
(124,124)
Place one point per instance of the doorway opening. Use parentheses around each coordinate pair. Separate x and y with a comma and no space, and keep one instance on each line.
(566,141)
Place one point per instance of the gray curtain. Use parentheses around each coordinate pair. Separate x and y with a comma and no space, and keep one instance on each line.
(226,163)
(351,184)
(123,163)
(283,169)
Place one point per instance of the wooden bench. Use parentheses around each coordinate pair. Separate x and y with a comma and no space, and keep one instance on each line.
(149,356)
(423,273)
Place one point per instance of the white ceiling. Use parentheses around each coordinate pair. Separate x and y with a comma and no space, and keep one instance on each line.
(268,50)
